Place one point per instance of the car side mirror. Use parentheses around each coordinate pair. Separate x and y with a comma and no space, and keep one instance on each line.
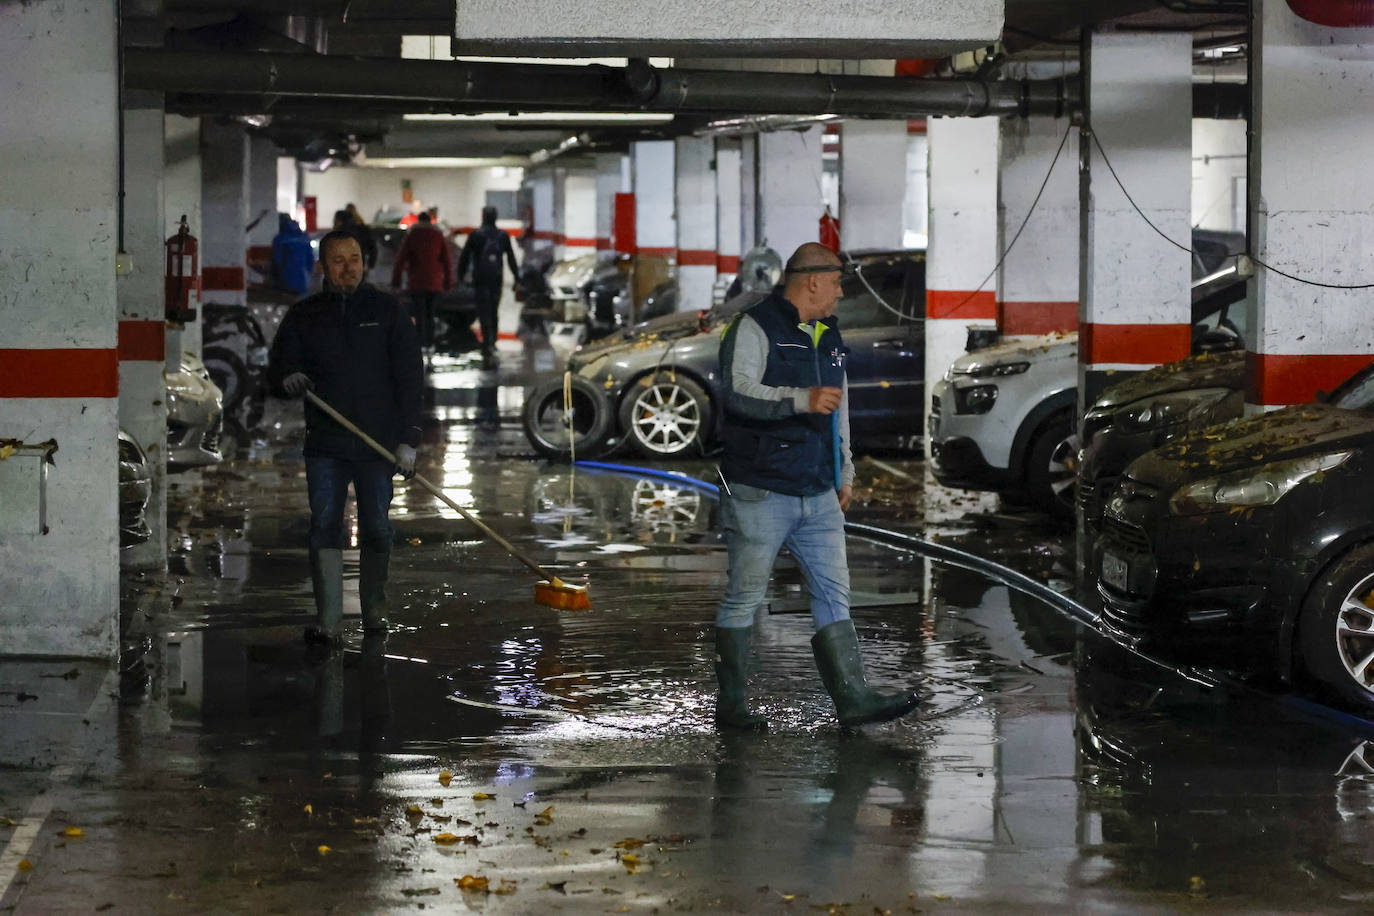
(1217,340)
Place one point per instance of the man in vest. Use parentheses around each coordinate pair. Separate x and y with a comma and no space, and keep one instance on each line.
(788,480)
(485,251)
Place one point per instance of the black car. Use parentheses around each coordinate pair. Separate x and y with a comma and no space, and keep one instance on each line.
(1250,545)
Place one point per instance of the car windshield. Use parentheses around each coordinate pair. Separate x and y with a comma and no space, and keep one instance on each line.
(1356,392)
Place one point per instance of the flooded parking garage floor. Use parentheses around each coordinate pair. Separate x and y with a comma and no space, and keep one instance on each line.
(496,756)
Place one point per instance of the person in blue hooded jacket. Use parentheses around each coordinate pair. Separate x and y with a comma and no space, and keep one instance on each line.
(788,478)
(293,260)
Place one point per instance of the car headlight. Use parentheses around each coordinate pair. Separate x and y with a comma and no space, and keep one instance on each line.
(987,370)
(1262,486)
(1168,409)
(975,399)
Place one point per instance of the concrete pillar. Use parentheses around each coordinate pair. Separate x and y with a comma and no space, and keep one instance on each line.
(872,183)
(181,182)
(612,178)
(577,230)
(1134,309)
(224,197)
(58,327)
(790,199)
(916,217)
(963,238)
(543,232)
(748,192)
(696,222)
(655,225)
(142,328)
(1039,275)
(1311,206)
(728,234)
(262,208)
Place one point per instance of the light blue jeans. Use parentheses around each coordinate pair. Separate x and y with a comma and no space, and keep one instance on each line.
(757,524)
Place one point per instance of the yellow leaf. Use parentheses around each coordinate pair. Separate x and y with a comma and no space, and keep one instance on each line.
(942,896)
(6,451)
(471,883)
(547,812)
(1196,884)
(323,850)
(628,843)
(446,838)
(445,778)
(309,810)
(413,542)
(25,865)
(482,796)
(630,861)
(74,832)
(414,810)
(788,898)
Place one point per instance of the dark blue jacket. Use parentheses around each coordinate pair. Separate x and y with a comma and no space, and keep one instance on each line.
(363,356)
(767,444)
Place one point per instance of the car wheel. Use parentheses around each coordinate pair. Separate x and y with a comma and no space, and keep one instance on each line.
(555,432)
(1052,467)
(1336,629)
(666,415)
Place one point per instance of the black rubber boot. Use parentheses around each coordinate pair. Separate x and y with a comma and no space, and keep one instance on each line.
(326,576)
(372,574)
(836,647)
(732,668)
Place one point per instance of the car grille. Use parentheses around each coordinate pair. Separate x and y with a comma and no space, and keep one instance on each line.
(1129,538)
(1093,496)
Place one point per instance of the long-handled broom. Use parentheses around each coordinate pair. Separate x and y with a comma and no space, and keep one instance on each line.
(551,592)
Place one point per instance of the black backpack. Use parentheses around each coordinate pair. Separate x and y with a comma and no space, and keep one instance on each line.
(489,264)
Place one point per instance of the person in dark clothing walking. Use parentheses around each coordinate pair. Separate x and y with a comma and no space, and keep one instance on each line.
(351,222)
(356,347)
(424,261)
(484,251)
(788,478)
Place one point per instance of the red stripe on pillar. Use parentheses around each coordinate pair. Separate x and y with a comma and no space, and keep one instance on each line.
(222,278)
(142,341)
(695,257)
(577,241)
(657,252)
(1037,317)
(603,244)
(1278,379)
(1133,344)
(260,252)
(727,263)
(544,235)
(961,303)
(59,373)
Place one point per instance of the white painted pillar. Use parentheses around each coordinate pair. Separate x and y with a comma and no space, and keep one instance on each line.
(872,183)
(1312,206)
(963,238)
(58,237)
(790,200)
(559,178)
(655,225)
(181,182)
(1039,275)
(577,232)
(916,217)
(696,222)
(262,208)
(1135,307)
(748,192)
(224,197)
(142,324)
(611,179)
(728,208)
(544,231)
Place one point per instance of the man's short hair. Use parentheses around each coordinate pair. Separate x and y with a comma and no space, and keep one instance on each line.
(337,235)
(423,216)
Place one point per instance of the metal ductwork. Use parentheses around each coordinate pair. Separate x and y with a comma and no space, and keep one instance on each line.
(546,87)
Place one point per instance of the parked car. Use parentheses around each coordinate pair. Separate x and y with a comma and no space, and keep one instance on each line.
(657,383)
(195,416)
(1005,417)
(135,489)
(1250,545)
(234,352)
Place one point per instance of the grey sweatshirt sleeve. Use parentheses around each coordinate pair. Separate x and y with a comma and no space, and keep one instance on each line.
(846,456)
(743,357)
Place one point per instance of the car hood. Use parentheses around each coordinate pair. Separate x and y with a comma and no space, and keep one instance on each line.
(1205,370)
(667,327)
(1294,432)
(1026,349)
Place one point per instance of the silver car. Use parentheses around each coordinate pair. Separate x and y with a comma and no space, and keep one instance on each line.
(195,416)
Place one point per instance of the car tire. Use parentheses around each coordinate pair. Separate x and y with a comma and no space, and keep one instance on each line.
(666,415)
(1051,467)
(1336,628)
(555,436)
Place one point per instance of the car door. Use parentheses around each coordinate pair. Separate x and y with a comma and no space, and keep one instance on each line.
(884,333)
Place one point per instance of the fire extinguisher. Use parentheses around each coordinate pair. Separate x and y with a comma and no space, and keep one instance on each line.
(183,274)
(829,231)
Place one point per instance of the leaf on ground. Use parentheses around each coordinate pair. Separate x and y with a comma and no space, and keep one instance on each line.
(630,861)
(482,796)
(414,811)
(25,865)
(73,832)
(437,802)
(441,818)
(629,843)
(471,883)
(420,891)
(560,886)
(448,839)
(310,810)
(506,886)
(360,821)
(445,778)
(323,850)
(413,542)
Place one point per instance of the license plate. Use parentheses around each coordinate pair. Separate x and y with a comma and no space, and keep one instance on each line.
(1115,571)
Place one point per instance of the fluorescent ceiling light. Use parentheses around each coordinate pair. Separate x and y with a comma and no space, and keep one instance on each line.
(440,47)
(438,162)
(552,117)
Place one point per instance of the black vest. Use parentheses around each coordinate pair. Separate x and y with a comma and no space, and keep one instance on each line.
(793,455)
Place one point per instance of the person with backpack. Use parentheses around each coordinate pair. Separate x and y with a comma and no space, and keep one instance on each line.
(424,261)
(484,251)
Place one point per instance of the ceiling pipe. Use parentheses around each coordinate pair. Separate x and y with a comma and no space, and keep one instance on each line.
(540,87)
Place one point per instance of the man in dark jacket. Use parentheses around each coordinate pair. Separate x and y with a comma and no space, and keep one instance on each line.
(788,480)
(424,261)
(356,347)
(485,250)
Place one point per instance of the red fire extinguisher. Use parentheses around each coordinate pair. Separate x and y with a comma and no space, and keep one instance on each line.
(829,232)
(183,274)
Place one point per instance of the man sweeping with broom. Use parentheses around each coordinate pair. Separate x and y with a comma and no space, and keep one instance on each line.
(788,476)
(356,347)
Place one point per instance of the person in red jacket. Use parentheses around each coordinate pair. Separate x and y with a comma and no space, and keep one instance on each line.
(428,270)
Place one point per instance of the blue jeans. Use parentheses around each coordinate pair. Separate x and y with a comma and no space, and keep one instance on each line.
(327,480)
(757,524)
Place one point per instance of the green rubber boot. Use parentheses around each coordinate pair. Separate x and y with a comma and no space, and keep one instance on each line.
(326,576)
(372,567)
(836,647)
(732,668)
